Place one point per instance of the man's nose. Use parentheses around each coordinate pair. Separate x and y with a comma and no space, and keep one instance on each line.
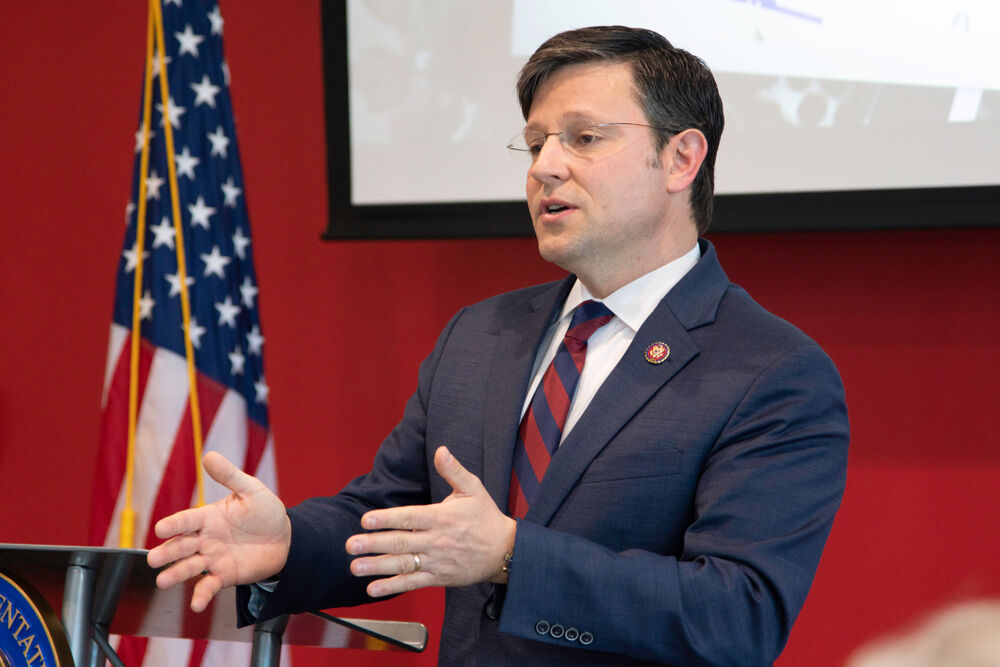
(551,161)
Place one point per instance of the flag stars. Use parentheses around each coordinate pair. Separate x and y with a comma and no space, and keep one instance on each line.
(231,192)
(205,92)
(255,342)
(139,141)
(237,361)
(132,258)
(220,142)
(175,283)
(173,111)
(164,234)
(215,17)
(262,390)
(200,212)
(189,41)
(228,312)
(214,200)
(186,163)
(215,262)
(248,292)
(240,243)
(156,63)
(195,331)
(146,304)
(153,184)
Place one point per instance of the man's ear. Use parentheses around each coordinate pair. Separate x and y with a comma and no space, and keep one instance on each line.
(684,154)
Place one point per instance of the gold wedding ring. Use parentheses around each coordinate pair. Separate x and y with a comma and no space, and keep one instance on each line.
(416,563)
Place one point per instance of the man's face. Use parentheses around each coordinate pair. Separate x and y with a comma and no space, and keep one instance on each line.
(604,219)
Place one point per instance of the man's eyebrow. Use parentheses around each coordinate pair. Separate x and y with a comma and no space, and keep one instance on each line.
(571,116)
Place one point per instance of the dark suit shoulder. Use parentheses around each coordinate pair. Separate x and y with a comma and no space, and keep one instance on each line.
(758,326)
(494,313)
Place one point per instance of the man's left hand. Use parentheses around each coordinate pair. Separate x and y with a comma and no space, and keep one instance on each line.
(460,541)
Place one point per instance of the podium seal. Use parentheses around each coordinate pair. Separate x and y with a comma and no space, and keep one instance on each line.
(30,633)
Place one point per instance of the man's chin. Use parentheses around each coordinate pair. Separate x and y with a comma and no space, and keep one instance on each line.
(558,251)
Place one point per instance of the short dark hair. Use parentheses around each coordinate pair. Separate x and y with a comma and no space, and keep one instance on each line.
(676,89)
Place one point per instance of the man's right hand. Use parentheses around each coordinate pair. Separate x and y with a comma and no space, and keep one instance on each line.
(240,539)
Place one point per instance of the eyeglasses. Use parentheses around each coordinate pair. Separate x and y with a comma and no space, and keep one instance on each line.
(585,140)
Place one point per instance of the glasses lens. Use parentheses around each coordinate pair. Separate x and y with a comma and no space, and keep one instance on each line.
(584,140)
(523,143)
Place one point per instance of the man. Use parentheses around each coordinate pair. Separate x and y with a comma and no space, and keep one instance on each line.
(697,460)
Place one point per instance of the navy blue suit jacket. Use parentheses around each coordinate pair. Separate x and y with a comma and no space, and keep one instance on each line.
(680,521)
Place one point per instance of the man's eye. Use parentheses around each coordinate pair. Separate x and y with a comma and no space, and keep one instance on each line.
(534,144)
(586,139)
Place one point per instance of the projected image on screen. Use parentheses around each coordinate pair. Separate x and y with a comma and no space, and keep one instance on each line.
(847,95)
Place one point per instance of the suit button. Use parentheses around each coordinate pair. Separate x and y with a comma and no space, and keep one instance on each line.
(542,627)
(557,631)
(572,634)
(491,611)
(586,638)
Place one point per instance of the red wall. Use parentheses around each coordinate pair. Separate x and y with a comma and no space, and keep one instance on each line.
(911,318)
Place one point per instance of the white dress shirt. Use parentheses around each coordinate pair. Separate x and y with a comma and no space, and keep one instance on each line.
(631,304)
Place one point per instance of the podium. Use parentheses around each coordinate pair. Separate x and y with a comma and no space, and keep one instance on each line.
(102,591)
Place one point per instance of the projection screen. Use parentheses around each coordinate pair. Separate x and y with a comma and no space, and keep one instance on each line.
(843,114)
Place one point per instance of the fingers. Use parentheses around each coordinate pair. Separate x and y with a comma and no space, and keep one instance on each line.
(194,566)
(206,589)
(410,570)
(388,542)
(185,521)
(197,565)
(401,583)
(172,550)
(182,570)
(409,575)
(460,479)
(388,564)
(224,472)
(409,517)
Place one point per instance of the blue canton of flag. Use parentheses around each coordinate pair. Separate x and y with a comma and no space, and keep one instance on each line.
(225,326)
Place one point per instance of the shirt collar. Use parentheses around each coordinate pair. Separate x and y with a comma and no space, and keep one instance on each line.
(633,303)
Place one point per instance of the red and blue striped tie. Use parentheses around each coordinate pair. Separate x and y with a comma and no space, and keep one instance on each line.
(542,425)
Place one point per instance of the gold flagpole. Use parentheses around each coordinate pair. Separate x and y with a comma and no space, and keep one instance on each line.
(181,263)
(126,529)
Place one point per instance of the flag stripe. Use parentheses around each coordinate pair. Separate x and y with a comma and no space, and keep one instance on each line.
(258,440)
(197,652)
(178,479)
(114,427)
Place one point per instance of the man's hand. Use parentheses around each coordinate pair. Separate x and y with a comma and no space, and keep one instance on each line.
(459,541)
(240,539)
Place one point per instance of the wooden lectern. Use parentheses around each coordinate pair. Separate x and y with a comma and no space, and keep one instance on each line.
(104,591)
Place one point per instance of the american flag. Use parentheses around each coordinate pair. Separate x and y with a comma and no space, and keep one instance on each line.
(225,330)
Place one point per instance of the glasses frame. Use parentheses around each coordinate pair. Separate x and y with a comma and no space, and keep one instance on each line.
(562,139)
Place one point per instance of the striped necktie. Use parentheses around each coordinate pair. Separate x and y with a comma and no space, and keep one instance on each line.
(542,425)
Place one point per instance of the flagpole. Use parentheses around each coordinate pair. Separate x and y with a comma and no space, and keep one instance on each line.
(126,529)
(181,260)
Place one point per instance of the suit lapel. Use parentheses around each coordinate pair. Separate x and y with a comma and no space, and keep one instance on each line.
(510,375)
(629,386)
(691,303)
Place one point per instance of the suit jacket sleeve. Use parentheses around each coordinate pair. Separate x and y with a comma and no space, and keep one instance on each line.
(316,574)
